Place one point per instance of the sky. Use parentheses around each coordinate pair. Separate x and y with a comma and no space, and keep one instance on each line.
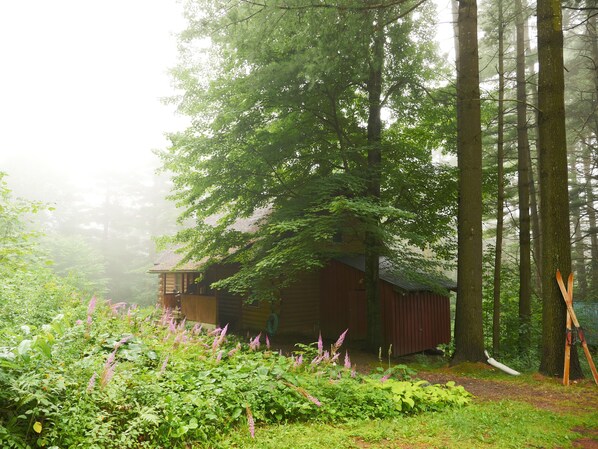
(81,83)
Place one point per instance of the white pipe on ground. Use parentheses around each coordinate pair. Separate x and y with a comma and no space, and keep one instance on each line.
(501,366)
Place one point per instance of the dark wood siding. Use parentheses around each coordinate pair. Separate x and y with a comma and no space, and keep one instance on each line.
(300,306)
(343,303)
(412,321)
(416,321)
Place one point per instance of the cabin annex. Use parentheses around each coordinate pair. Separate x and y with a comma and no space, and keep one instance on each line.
(328,300)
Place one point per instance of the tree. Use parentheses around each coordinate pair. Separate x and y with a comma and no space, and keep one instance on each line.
(288,120)
(523,187)
(500,203)
(469,337)
(556,246)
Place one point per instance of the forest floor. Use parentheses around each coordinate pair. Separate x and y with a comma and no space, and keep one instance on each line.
(542,392)
(487,384)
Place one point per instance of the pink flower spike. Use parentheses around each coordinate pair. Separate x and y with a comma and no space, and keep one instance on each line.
(78,322)
(340,340)
(385,378)
(267,342)
(163,368)
(219,356)
(89,320)
(92,382)
(298,361)
(320,344)
(223,332)
(250,422)
(92,305)
(347,361)
(314,400)
(255,343)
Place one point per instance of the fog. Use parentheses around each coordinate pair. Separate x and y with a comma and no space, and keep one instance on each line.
(80,113)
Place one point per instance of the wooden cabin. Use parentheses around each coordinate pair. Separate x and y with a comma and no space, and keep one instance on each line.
(329,301)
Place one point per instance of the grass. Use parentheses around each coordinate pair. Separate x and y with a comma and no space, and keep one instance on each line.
(504,424)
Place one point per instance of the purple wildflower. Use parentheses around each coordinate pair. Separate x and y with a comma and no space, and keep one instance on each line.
(347,361)
(299,361)
(314,400)
(108,369)
(117,306)
(340,340)
(122,341)
(78,322)
(255,343)
(163,368)
(234,350)
(316,361)
(92,382)
(215,332)
(92,305)
(320,344)
(267,342)
(172,326)
(385,378)
(219,356)
(326,355)
(335,357)
(196,329)
(250,422)
(89,320)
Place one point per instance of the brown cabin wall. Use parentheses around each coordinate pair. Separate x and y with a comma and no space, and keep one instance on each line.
(412,322)
(421,321)
(342,302)
(300,306)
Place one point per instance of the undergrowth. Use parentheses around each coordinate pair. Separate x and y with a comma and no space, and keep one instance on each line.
(104,376)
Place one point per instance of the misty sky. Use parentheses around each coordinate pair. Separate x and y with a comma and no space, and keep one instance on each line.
(81,81)
(80,85)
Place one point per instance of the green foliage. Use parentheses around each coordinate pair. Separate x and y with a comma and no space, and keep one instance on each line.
(17,242)
(135,378)
(280,129)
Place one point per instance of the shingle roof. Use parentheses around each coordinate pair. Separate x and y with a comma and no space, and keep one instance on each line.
(415,282)
(168,261)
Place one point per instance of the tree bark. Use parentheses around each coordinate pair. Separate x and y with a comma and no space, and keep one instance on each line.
(578,247)
(523,182)
(500,188)
(554,210)
(534,191)
(587,164)
(469,336)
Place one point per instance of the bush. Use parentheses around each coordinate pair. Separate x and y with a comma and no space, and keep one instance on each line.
(109,378)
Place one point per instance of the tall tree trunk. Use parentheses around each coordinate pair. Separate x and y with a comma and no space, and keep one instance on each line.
(591,211)
(500,188)
(525,288)
(534,191)
(375,332)
(587,163)
(469,336)
(556,244)
(578,247)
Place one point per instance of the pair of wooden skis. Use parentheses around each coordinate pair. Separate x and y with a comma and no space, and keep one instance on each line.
(572,318)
